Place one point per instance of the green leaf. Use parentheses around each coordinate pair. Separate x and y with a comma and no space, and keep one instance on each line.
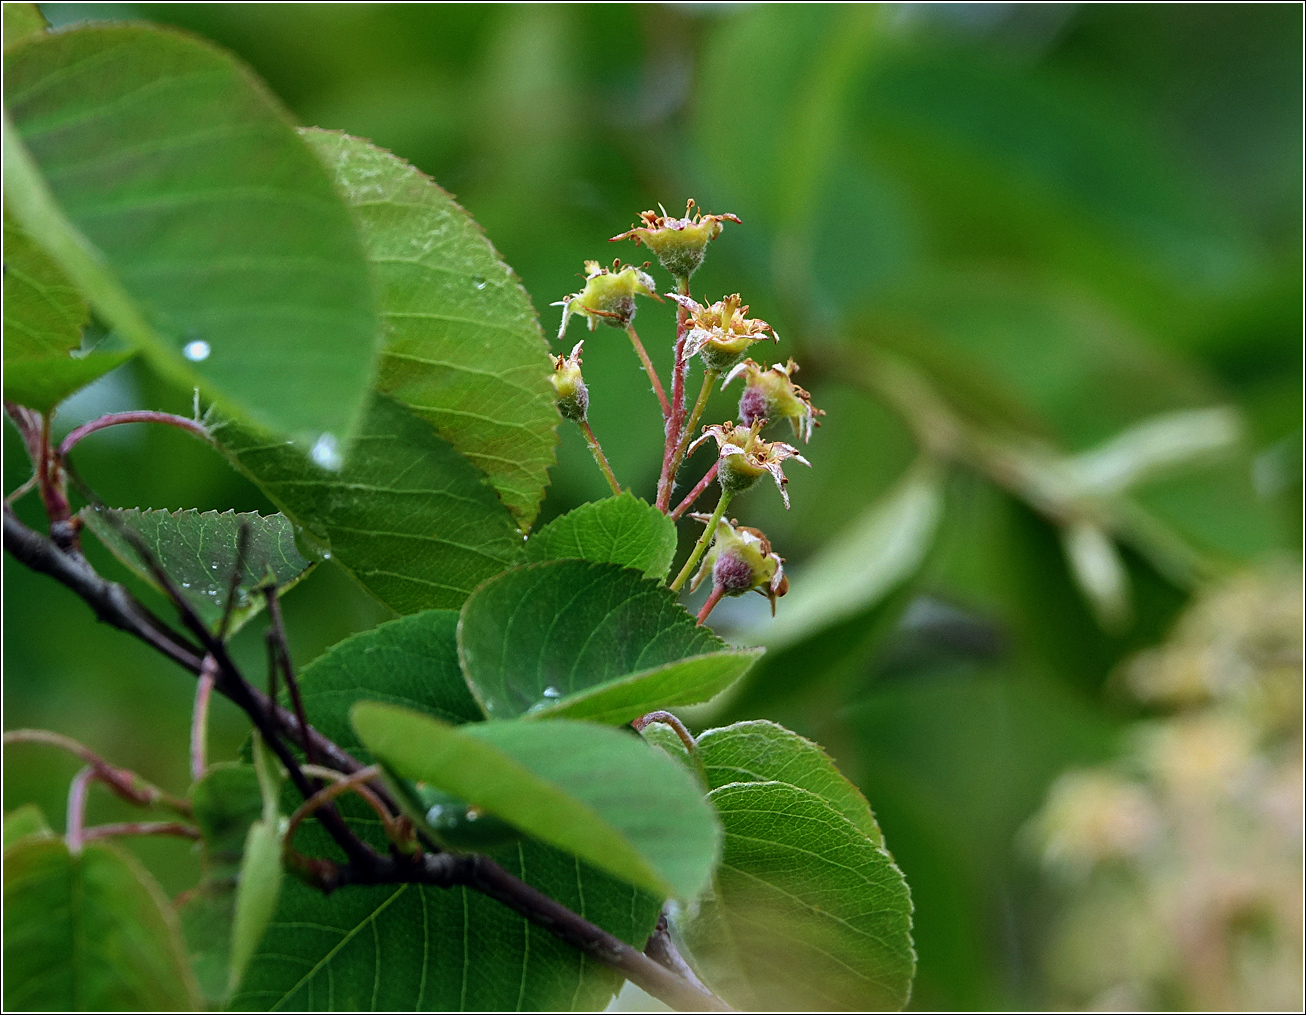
(586,640)
(619,530)
(42,384)
(761,751)
(463,348)
(226,802)
(43,320)
(806,914)
(24,821)
(256,895)
(43,314)
(600,794)
(413,947)
(198,551)
(418,658)
(405,514)
(88,931)
(171,188)
(22,20)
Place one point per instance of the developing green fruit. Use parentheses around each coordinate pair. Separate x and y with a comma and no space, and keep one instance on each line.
(678,243)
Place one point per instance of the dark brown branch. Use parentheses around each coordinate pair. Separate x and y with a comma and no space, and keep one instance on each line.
(114,605)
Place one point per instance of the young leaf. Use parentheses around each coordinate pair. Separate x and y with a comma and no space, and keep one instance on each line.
(806,913)
(597,793)
(88,931)
(762,751)
(413,947)
(408,516)
(588,641)
(412,661)
(619,530)
(198,551)
(463,348)
(24,821)
(225,802)
(256,895)
(173,191)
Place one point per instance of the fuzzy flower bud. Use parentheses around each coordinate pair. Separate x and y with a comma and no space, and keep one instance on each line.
(608,296)
(573,395)
(678,243)
(772,394)
(741,561)
(721,334)
(745,457)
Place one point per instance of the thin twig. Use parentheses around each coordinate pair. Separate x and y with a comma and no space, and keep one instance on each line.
(343,785)
(666,481)
(648,369)
(123,782)
(233,585)
(23,490)
(142,828)
(277,631)
(667,719)
(596,450)
(695,493)
(142,416)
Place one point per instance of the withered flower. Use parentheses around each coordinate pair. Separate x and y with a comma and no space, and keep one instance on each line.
(744,457)
(608,296)
(720,333)
(741,561)
(678,243)
(573,395)
(771,394)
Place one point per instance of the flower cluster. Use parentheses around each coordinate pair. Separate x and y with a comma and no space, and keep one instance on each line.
(738,558)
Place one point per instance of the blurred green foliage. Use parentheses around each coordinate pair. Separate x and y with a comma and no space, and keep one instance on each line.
(1063,219)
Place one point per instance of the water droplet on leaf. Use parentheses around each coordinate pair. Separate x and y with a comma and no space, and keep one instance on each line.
(197,351)
(326,453)
(552,692)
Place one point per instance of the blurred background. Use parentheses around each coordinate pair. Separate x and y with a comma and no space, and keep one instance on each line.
(1041,266)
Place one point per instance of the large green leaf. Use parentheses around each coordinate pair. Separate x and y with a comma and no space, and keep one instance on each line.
(197,550)
(411,661)
(413,947)
(408,516)
(807,913)
(463,347)
(761,751)
(173,191)
(24,821)
(600,794)
(588,641)
(43,320)
(619,530)
(88,931)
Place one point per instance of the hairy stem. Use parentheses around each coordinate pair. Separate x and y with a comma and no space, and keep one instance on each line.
(710,605)
(648,369)
(704,541)
(695,493)
(687,434)
(76,819)
(142,416)
(667,719)
(596,449)
(666,481)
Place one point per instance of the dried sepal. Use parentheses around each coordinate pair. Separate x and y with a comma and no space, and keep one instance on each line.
(721,333)
(744,457)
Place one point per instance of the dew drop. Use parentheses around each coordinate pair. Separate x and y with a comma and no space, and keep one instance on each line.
(185,585)
(552,692)
(326,453)
(479,281)
(434,815)
(196,351)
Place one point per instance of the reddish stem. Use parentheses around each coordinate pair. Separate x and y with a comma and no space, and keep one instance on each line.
(667,719)
(710,605)
(648,369)
(142,828)
(676,421)
(695,493)
(141,416)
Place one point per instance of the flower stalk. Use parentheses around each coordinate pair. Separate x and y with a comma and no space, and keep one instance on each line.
(704,541)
